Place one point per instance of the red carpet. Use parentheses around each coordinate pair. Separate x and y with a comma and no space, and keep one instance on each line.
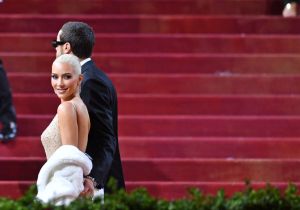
(167,63)
(202,84)
(208,90)
(145,7)
(163,43)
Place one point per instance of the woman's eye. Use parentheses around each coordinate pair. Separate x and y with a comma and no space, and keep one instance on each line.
(53,77)
(67,76)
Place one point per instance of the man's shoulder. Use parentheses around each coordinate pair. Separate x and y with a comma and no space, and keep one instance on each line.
(95,74)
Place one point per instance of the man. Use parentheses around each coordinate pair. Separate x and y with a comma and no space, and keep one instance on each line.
(7,110)
(290,8)
(100,97)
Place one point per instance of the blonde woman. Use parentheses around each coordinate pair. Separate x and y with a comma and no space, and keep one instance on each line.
(65,139)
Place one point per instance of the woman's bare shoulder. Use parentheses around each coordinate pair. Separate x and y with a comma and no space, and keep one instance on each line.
(66,109)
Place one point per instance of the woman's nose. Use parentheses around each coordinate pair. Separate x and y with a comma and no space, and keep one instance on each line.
(60,82)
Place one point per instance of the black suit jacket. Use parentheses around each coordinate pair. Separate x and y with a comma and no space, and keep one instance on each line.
(100,97)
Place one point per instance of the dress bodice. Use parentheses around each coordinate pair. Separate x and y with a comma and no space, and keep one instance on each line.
(50,138)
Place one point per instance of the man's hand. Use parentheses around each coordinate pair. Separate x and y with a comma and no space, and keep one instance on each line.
(88,190)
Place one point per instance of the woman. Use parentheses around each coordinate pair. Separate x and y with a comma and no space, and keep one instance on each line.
(61,178)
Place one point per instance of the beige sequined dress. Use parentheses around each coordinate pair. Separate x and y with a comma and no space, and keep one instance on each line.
(51,137)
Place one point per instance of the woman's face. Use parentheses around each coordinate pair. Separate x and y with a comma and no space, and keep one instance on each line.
(65,81)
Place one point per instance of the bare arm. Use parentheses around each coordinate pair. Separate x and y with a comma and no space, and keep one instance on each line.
(68,125)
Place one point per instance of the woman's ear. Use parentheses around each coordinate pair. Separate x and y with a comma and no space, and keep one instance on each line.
(80,78)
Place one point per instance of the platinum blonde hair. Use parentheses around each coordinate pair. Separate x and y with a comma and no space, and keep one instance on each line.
(70,59)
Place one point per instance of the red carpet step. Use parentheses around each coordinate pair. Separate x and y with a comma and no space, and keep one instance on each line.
(166,63)
(30,146)
(175,104)
(209,147)
(161,43)
(170,190)
(148,83)
(35,23)
(178,147)
(185,125)
(187,170)
(209,170)
(14,189)
(215,7)
(173,190)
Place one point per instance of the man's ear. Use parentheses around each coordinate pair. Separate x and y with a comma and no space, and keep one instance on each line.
(67,48)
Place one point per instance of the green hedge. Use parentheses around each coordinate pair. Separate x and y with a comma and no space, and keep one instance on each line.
(267,198)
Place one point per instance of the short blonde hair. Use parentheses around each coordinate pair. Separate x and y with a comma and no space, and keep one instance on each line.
(70,59)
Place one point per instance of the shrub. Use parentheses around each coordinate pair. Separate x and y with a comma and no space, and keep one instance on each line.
(267,198)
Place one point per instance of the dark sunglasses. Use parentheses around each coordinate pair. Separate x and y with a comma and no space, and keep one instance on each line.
(56,43)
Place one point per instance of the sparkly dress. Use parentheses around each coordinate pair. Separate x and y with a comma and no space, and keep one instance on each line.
(51,137)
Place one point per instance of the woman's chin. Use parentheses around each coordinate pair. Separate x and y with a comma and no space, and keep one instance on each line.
(61,96)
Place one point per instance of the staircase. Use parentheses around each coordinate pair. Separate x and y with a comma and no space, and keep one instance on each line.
(209,92)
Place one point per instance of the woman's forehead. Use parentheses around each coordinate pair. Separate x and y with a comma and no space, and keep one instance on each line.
(62,68)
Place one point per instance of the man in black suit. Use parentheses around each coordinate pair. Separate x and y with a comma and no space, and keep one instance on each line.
(7,110)
(100,97)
